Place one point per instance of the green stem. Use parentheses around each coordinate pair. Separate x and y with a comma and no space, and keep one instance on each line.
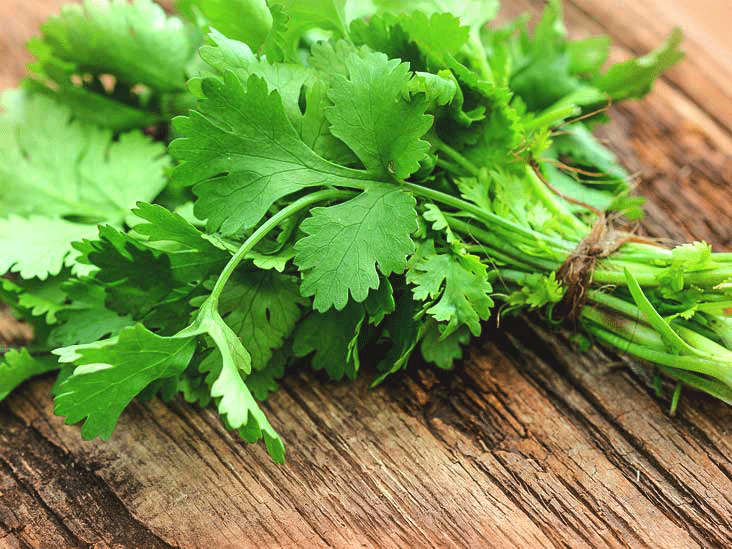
(480,55)
(456,157)
(264,229)
(492,220)
(712,368)
(509,252)
(555,206)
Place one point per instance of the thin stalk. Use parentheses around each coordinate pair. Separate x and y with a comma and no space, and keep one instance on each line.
(456,157)
(715,369)
(264,229)
(513,255)
(558,208)
(487,217)
(480,55)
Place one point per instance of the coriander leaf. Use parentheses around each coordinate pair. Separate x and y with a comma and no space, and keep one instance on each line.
(578,143)
(333,337)
(262,308)
(315,128)
(275,45)
(110,373)
(443,351)
(588,55)
(536,291)
(277,261)
(93,107)
(85,319)
(287,78)
(194,257)
(134,43)
(370,115)
(437,218)
(38,247)
(83,325)
(43,298)
(91,177)
(136,277)
(248,21)
(346,243)
(633,78)
(473,14)
(422,41)
(263,382)
(456,285)
(380,302)
(404,333)
(17,366)
(38,301)
(235,402)
(304,15)
(242,154)
(438,89)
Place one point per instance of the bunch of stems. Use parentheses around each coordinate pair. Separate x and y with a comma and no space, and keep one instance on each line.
(625,308)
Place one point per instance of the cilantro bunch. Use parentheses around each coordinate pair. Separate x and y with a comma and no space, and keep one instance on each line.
(254,185)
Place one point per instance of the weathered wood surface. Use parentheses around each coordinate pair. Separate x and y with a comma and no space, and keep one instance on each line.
(528,444)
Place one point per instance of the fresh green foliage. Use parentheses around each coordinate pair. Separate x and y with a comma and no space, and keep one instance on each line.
(118,64)
(248,21)
(345,243)
(368,115)
(110,373)
(18,365)
(63,192)
(354,185)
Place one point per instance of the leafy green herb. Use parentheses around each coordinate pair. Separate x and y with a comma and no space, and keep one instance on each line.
(351,179)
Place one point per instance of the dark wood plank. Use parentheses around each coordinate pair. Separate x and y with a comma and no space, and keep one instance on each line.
(528,444)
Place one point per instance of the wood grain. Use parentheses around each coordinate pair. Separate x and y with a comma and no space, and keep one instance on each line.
(527,444)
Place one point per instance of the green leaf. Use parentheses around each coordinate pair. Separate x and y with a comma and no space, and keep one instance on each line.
(263,382)
(456,286)
(145,52)
(404,332)
(38,301)
(287,78)
(17,366)
(346,243)
(136,278)
(242,154)
(536,291)
(333,337)
(234,400)
(38,247)
(135,41)
(588,55)
(443,351)
(85,319)
(474,14)
(92,176)
(304,15)
(262,308)
(248,21)
(634,78)
(380,302)
(437,89)
(192,255)
(370,115)
(110,373)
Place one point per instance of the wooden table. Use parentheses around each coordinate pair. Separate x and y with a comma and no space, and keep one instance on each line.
(527,444)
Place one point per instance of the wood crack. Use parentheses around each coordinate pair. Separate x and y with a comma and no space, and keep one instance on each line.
(55,480)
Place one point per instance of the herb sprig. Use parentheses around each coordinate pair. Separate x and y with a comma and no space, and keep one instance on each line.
(340,177)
